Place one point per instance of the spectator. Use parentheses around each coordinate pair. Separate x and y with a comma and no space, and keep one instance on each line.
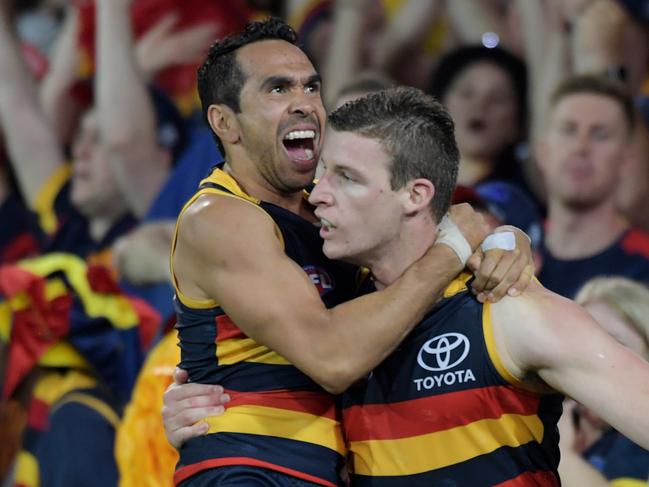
(585,149)
(592,452)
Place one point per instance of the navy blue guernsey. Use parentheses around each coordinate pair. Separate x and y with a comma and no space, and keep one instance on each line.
(278,417)
(442,410)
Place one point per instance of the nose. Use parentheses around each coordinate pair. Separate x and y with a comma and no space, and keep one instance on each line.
(304,103)
(320,195)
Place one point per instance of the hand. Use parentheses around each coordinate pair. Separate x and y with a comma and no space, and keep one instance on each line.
(161,46)
(472,224)
(568,426)
(598,39)
(500,272)
(186,405)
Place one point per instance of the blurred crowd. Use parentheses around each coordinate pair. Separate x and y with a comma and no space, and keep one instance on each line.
(102,142)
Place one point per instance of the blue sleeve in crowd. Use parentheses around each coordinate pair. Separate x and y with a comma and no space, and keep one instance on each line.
(194,164)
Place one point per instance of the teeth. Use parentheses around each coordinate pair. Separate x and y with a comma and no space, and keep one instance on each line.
(300,134)
(326,224)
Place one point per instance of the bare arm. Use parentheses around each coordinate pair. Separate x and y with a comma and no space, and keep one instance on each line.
(125,111)
(407,30)
(31,142)
(343,55)
(61,108)
(242,266)
(473,18)
(552,336)
(142,256)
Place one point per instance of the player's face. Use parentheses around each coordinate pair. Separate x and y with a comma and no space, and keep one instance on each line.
(359,212)
(282,117)
(584,150)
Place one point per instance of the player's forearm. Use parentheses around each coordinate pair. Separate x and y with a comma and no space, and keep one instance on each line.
(31,143)
(362,332)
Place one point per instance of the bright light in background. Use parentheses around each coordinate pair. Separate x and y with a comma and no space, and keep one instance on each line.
(490,39)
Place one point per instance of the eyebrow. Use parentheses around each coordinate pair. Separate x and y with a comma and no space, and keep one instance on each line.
(289,81)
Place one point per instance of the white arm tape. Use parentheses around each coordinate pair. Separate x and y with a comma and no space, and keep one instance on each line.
(450,235)
(502,240)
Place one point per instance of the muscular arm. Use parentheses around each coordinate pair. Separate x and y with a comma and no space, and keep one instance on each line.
(228,251)
(544,333)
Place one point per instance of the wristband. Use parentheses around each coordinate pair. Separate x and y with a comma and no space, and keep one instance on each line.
(450,235)
(502,240)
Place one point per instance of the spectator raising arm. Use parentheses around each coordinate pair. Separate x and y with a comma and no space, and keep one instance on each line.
(125,112)
(31,142)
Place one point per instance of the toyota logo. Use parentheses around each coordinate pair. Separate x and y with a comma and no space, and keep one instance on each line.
(443,352)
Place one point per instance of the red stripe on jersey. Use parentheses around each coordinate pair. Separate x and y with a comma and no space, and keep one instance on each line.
(184,473)
(636,242)
(528,479)
(434,413)
(226,329)
(316,403)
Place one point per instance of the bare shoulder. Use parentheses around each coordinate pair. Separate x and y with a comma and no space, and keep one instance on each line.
(537,327)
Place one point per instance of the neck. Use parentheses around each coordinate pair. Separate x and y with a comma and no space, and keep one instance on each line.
(415,238)
(99,227)
(580,233)
(255,185)
(472,170)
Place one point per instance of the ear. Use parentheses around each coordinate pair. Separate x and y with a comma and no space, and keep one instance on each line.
(224,123)
(417,195)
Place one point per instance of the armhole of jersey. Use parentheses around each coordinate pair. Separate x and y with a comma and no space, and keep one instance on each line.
(43,204)
(494,355)
(207,303)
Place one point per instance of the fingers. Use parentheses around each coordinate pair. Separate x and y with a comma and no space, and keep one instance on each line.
(180,375)
(523,281)
(505,276)
(473,264)
(487,266)
(185,405)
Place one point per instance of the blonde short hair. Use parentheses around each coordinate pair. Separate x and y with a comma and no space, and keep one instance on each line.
(628,298)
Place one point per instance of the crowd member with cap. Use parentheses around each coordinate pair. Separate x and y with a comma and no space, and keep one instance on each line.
(582,156)
(592,452)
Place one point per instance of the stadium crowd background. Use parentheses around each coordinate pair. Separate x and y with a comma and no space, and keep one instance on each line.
(102,142)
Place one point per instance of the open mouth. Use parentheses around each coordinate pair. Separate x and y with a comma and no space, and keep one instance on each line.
(300,144)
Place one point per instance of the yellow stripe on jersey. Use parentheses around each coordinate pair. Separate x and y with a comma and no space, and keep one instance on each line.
(26,473)
(423,453)
(237,350)
(628,482)
(281,423)
(93,403)
(44,203)
(457,285)
(492,349)
(55,384)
